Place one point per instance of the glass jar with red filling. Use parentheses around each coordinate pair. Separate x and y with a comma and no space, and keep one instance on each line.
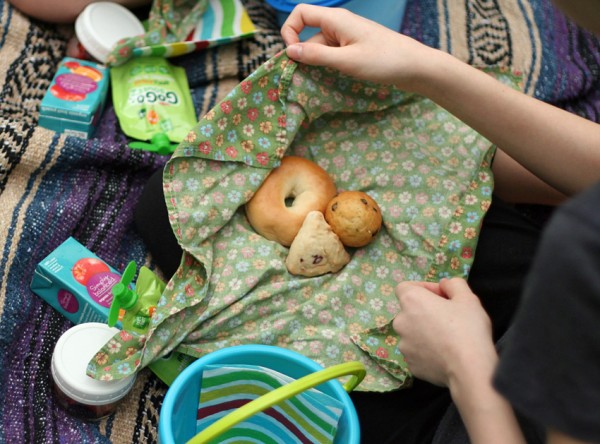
(76,392)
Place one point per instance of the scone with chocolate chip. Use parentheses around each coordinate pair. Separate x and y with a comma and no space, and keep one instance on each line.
(316,249)
(355,217)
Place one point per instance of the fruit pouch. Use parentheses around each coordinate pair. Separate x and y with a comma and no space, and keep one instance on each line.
(152,96)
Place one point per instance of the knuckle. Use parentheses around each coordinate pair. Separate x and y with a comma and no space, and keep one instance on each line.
(344,13)
(402,287)
(407,301)
(302,7)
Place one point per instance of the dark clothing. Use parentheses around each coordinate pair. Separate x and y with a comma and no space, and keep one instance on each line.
(152,222)
(506,247)
(550,367)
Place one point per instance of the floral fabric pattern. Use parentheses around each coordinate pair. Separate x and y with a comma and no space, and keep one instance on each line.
(429,173)
(169,21)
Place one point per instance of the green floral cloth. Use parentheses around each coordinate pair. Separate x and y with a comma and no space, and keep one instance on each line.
(169,21)
(429,173)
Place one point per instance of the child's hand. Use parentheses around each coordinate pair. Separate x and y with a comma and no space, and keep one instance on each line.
(354,45)
(444,331)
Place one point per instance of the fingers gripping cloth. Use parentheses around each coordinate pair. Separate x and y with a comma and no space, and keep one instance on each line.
(429,173)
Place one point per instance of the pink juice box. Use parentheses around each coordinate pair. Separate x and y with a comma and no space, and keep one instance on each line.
(78,284)
(75,99)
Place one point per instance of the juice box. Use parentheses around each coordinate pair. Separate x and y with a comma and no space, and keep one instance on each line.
(76,282)
(75,99)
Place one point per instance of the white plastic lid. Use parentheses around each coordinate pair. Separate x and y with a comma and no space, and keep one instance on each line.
(102,24)
(73,350)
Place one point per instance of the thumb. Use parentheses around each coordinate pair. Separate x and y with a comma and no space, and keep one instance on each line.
(455,287)
(316,54)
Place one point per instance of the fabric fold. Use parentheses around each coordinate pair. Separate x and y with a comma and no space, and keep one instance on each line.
(429,173)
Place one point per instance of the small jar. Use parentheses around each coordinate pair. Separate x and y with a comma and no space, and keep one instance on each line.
(79,394)
(102,24)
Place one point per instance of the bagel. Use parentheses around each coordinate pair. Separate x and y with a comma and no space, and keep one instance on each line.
(291,191)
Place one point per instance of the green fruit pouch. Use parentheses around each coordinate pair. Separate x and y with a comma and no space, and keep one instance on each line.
(152,96)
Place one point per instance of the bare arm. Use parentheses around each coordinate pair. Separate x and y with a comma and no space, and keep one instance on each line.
(488,417)
(556,437)
(558,147)
(514,183)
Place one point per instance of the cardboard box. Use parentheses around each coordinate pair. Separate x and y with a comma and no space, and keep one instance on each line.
(76,282)
(75,99)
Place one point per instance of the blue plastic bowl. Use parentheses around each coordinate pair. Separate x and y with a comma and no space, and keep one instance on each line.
(177,422)
(389,13)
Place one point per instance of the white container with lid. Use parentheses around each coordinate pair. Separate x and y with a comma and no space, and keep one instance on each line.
(102,24)
(79,394)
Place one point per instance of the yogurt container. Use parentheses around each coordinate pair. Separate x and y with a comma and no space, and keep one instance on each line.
(102,24)
(76,392)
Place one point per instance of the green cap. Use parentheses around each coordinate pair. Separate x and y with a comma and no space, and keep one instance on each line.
(123,296)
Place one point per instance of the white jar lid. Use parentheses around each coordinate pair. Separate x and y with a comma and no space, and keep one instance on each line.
(102,24)
(73,350)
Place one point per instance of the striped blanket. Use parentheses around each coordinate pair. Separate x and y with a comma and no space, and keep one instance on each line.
(53,187)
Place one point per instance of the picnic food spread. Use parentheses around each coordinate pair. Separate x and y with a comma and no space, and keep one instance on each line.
(233,286)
